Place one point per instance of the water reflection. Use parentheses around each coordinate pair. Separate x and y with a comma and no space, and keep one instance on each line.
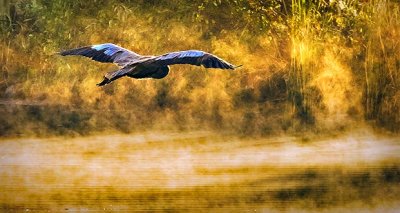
(198,171)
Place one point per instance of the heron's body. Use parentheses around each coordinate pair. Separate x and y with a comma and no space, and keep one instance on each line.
(136,66)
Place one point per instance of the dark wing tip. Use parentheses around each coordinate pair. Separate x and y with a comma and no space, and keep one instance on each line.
(77,51)
(63,53)
(212,61)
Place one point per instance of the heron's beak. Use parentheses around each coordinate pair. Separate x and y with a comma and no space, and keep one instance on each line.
(104,82)
(237,66)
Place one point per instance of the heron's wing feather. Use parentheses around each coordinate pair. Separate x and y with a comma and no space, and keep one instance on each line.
(107,53)
(193,57)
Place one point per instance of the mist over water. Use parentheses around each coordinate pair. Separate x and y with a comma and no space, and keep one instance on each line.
(199,170)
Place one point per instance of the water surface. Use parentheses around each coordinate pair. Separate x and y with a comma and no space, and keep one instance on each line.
(200,171)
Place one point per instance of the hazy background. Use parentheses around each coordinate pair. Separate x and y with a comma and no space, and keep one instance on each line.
(320,66)
(310,122)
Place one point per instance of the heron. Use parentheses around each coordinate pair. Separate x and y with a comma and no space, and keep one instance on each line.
(138,66)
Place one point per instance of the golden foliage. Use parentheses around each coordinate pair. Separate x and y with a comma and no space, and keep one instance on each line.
(306,65)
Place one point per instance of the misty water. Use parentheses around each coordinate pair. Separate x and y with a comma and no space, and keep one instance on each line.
(201,171)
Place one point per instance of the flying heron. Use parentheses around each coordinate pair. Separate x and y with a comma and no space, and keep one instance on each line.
(137,66)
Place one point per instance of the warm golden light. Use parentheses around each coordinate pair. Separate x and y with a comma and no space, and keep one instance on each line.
(308,123)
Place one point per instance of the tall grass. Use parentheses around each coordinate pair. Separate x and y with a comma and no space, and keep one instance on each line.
(381,66)
(302,58)
(319,80)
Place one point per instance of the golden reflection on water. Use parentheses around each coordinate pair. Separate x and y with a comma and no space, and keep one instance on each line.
(200,172)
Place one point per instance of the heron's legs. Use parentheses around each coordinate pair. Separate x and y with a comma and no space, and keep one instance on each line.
(112,76)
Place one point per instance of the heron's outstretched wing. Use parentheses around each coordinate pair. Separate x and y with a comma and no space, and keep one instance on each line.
(194,57)
(107,53)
